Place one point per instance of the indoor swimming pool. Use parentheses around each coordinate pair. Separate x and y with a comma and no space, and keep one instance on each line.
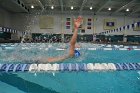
(69,46)
(76,81)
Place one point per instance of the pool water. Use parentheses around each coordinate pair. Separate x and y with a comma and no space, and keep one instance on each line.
(70,82)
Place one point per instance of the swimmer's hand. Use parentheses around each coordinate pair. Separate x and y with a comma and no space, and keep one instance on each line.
(77,22)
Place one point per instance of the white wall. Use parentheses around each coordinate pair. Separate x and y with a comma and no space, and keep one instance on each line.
(6,21)
(5,18)
(30,23)
(120,21)
(24,22)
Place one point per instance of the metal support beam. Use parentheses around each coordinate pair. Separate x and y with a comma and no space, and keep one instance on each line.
(61,4)
(74,12)
(40,4)
(129,3)
(103,6)
(83,4)
(19,5)
(135,11)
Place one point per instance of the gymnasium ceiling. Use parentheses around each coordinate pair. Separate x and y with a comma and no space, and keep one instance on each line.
(118,7)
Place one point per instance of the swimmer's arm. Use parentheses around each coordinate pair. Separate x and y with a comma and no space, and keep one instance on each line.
(57,59)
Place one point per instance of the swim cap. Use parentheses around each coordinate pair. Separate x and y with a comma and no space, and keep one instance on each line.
(77,53)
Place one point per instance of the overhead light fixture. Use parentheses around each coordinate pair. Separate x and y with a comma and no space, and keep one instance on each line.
(52,7)
(71,7)
(90,8)
(127,9)
(109,8)
(32,6)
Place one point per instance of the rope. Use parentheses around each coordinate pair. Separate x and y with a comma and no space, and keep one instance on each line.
(62,67)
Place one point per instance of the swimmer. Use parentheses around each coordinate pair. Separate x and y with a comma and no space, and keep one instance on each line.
(72,51)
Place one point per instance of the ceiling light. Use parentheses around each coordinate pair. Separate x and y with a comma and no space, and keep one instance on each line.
(71,7)
(32,6)
(127,9)
(109,8)
(91,8)
(52,7)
